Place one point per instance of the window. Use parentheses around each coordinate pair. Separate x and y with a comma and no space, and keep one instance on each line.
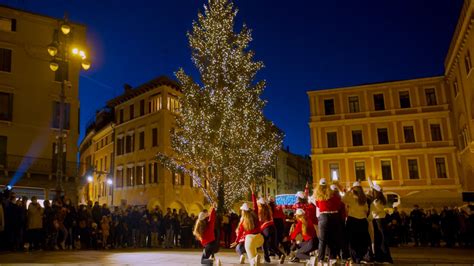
(129,143)
(153,173)
(455,88)
(121,116)
(56,114)
(5,60)
(382,134)
(120,146)
(354,104)
(140,177)
(441,168)
(332,139)
(178,178)
(142,107)
(7,24)
(119,178)
(329,106)
(132,111)
(101,164)
(3,150)
(360,171)
(409,134)
(141,141)
(357,138)
(435,132)
(430,96)
(413,168)
(105,163)
(334,171)
(62,73)
(6,106)
(130,177)
(404,99)
(154,137)
(468,62)
(386,169)
(379,103)
(173,103)
(154,103)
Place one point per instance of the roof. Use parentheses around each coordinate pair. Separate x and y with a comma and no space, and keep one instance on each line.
(41,15)
(378,84)
(132,93)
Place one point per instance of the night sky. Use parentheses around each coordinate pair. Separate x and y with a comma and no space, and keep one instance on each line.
(305,45)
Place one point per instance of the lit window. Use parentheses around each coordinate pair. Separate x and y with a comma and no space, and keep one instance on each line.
(334,171)
(173,103)
(154,103)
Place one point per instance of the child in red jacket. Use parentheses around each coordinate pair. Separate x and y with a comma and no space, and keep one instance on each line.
(204,232)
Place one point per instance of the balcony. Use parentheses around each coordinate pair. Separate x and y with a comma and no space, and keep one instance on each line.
(35,165)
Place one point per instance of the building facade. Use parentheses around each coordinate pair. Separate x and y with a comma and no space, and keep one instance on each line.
(416,135)
(292,171)
(460,83)
(400,133)
(143,120)
(29,107)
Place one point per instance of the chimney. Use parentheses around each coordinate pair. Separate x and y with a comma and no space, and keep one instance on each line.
(127,87)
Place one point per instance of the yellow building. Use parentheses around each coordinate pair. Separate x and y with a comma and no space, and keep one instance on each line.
(97,159)
(460,85)
(29,107)
(399,131)
(292,171)
(143,119)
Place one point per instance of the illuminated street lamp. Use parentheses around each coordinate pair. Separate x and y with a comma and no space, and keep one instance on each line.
(60,51)
(90,179)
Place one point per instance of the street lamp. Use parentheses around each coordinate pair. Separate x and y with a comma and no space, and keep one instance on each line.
(110,182)
(59,50)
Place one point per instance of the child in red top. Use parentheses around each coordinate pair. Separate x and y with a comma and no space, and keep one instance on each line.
(204,232)
(304,227)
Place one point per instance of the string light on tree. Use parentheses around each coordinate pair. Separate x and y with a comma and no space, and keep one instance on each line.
(223,137)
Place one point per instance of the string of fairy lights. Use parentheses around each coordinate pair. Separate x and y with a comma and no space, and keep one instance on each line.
(222,132)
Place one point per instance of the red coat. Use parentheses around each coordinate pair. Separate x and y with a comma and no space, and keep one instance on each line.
(208,235)
(310,231)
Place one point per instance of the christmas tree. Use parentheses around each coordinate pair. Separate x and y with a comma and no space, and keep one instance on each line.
(222,138)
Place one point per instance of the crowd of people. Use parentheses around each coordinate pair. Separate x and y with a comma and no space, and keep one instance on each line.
(335,222)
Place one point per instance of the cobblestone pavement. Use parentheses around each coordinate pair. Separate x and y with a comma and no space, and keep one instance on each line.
(412,256)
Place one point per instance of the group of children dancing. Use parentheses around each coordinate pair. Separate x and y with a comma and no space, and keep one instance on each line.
(344,224)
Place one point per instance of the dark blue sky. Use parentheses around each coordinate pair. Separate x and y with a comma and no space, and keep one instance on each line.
(305,45)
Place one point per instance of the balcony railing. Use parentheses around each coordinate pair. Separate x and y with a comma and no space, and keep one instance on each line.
(27,164)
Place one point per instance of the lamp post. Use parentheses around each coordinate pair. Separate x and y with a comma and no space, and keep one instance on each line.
(90,179)
(59,50)
(110,185)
